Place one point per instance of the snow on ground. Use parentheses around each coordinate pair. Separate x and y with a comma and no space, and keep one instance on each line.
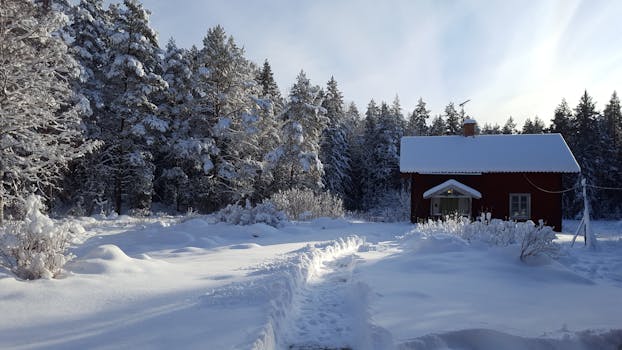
(326,284)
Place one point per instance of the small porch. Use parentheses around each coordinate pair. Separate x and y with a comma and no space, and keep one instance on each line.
(451,197)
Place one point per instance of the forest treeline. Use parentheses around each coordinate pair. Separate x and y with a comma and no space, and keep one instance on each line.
(97,117)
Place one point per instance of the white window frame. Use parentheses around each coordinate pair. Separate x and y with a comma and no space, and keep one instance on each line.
(521,197)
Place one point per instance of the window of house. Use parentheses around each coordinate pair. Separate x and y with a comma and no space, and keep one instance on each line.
(520,206)
(449,205)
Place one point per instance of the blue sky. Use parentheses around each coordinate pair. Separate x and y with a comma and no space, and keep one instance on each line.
(515,58)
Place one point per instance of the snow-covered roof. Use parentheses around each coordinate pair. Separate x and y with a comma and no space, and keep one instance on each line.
(454,185)
(486,154)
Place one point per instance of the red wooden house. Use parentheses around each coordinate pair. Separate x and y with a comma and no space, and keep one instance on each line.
(511,176)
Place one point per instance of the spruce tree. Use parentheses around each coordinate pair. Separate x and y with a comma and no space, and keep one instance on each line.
(296,162)
(90,45)
(357,156)
(227,94)
(509,127)
(533,127)
(613,117)
(438,127)
(133,127)
(562,119)
(181,154)
(417,124)
(452,120)
(268,107)
(334,147)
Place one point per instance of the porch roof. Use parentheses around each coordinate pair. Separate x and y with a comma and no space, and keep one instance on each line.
(455,185)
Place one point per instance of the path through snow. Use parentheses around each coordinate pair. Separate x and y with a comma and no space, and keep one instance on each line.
(330,311)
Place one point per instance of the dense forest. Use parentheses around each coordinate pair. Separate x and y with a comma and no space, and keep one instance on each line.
(97,117)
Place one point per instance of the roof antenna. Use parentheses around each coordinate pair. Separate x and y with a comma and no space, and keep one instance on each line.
(462,108)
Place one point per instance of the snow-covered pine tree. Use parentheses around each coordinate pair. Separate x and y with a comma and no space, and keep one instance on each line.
(383,129)
(391,126)
(269,105)
(334,147)
(227,91)
(509,127)
(438,127)
(585,142)
(368,157)
(491,129)
(453,120)
(533,127)
(39,117)
(268,87)
(561,122)
(181,157)
(613,117)
(418,122)
(132,126)
(357,155)
(607,173)
(89,30)
(296,161)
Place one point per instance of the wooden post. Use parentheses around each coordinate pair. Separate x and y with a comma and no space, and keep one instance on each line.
(588,235)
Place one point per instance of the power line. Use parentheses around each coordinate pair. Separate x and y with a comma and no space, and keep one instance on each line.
(549,191)
(606,188)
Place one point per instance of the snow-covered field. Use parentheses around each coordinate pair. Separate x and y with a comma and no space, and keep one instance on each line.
(326,284)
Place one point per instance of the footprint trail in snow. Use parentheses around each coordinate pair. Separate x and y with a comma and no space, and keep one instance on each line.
(330,311)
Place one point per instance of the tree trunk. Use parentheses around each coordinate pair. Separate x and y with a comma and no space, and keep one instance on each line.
(1,198)
(1,208)
(117,194)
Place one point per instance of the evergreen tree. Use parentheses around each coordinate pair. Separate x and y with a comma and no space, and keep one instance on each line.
(39,119)
(296,162)
(357,155)
(180,157)
(269,106)
(383,133)
(509,127)
(132,125)
(368,156)
(269,88)
(334,147)
(562,119)
(438,127)
(227,97)
(585,143)
(533,127)
(90,29)
(491,129)
(613,117)
(418,122)
(452,120)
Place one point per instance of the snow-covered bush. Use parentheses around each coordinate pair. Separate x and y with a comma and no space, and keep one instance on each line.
(304,204)
(265,213)
(537,240)
(534,239)
(35,247)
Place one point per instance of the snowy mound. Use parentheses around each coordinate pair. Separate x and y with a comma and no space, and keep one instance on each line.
(439,243)
(105,259)
(329,223)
